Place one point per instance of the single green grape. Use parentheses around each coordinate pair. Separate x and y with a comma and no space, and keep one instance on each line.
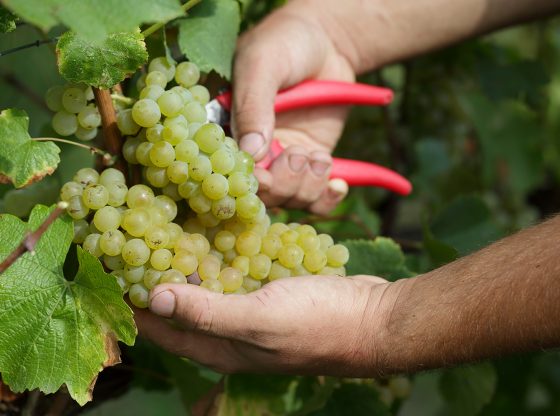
(215,186)
(222,161)
(248,243)
(152,92)
(70,189)
(156,78)
(186,151)
(162,154)
(65,123)
(135,252)
(200,93)
(113,262)
(86,176)
(209,137)
(187,74)
(107,218)
(146,112)
(259,266)
(231,279)
(139,196)
(95,196)
(290,255)
(209,267)
(167,206)
(337,255)
(91,245)
(139,295)
(200,168)
(156,237)
(161,259)
(157,177)
(224,240)
(134,274)
(224,208)
(89,117)
(184,261)
(136,221)
(163,65)
(126,123)
(112,242)
(53,97)
(178,172)
(152,278)
(74,100)
(170,103)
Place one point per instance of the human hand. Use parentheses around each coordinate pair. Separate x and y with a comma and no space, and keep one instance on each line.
(291,45)
(305,325)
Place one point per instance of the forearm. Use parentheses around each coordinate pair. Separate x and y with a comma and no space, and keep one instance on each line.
(372,33)
(502,299)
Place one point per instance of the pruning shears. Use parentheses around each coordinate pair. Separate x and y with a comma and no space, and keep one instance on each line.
(320,93)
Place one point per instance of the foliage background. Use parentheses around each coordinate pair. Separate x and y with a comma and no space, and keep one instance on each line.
(477,129)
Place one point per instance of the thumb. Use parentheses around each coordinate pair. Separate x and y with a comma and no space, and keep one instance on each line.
(256,80)
(203,311)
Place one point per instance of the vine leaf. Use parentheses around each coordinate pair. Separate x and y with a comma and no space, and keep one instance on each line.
(22,160)
(380,257)
(94,20)
(7,21)
(100,64)
(208,35)
(54,331)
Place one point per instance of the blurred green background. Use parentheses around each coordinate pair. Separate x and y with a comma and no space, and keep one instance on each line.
(477,129)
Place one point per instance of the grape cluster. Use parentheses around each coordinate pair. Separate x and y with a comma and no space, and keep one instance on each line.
(75,111)
(206,225)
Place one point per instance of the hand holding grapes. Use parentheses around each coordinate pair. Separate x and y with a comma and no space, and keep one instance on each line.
(290,325)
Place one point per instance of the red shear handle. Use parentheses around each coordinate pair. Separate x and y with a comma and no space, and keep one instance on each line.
(358,173)
(315,93)
(354,172)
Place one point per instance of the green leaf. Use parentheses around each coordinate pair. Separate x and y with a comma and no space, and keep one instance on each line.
(468,389)
(22,160)
(7,21)
(380,257)
(466,224)
(187,378)
(208,35)
(56,331)
(355,400)
(100,64)
(255,395)
(92,19)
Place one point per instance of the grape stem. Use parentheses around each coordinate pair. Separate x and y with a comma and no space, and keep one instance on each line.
(112,139)
(125,100)
(30,240)
(108,159)
(157,26)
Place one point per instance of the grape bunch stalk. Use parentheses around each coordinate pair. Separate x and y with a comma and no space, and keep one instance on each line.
(197,218)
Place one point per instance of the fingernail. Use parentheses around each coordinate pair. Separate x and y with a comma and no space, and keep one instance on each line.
(337,188)
(297,162)
(319,167)
(251,143)
(163,304)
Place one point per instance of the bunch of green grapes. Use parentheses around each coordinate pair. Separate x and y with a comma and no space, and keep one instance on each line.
(206,225)
(75,111)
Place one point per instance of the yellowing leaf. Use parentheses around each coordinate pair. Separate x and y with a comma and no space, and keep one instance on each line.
(57,332)
(23,161)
